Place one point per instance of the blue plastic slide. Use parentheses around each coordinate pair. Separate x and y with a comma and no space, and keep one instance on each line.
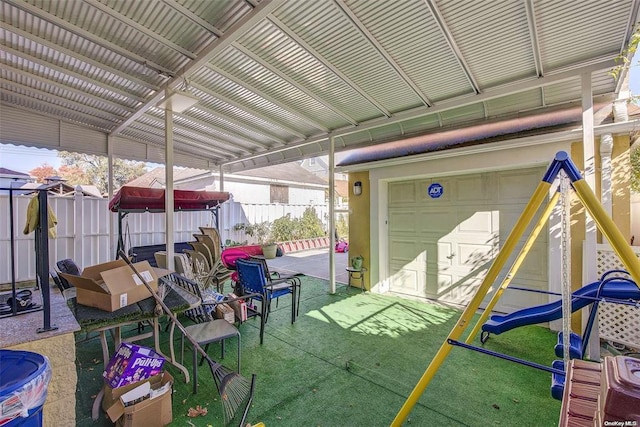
(618,289)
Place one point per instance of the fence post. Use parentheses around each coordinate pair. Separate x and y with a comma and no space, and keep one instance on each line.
(78,236)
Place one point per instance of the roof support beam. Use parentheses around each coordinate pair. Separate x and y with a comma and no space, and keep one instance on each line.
(211,144)
(210,131)
(294,83)
(523,85)
(190,142)
(533,35)
(80,32)
(247,109)
(142,29)
(70,73)
(238,29)
(71,54)
(193,17)
(241,125)
(67,111)
(64,87)
(266,96)
(327,64)
(437,16)
(383,53)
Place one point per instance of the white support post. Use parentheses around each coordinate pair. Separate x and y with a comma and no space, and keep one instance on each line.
(606,148)
(111,217)
(589,254)
(78,233)
(168,194)
(332,216)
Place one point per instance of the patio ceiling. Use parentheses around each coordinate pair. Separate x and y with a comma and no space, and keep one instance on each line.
(276,78)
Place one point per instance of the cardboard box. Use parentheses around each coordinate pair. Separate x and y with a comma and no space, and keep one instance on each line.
(223,311)
(112,285)
(239,307)
(132,363)
(146,413)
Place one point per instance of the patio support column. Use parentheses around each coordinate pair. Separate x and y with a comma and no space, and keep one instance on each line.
(332,216)
(589,271)
(219,221)
(606,148)
(111,217)
(168,194)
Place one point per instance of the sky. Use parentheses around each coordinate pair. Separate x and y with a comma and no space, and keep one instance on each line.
(24,159)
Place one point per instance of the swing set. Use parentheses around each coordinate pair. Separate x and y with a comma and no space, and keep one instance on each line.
(560,163)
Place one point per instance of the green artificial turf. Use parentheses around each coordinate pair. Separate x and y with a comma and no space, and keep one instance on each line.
(351,359)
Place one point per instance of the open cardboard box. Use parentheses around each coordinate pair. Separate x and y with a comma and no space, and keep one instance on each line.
(146,413)
(112,285)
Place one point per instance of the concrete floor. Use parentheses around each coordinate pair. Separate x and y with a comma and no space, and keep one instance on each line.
(313,262)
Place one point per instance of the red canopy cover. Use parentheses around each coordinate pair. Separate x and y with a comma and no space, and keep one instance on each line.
(142,199)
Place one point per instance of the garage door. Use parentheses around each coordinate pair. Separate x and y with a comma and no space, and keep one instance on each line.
(444,234)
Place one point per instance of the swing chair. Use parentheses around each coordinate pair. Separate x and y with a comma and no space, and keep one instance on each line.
(605,224)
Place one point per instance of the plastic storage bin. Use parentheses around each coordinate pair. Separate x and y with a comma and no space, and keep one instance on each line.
(24,378)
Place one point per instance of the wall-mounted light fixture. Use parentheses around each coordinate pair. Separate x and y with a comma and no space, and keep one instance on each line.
(357,188)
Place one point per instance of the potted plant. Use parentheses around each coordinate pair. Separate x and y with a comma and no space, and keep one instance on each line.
(262,233)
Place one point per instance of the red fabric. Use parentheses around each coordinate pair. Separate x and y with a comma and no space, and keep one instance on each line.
(152,199)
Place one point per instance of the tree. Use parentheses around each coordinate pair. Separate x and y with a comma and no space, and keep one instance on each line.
(635,170)
(42,172)
(96,169)
(73,175)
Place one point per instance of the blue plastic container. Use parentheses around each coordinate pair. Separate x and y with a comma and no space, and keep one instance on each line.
(24,378)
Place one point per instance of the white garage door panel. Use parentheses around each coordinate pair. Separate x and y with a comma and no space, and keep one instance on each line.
(406,220)
(400,193)
(476,221)
(442,248)
(472,189)
(516,187)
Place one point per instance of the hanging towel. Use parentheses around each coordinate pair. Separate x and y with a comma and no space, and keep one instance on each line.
(33,218)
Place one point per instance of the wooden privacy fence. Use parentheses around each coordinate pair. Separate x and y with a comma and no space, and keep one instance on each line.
(82,232)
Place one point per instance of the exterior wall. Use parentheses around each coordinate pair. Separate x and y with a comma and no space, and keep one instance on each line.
(635,218)
(474,160)
(359,223)
(466,161)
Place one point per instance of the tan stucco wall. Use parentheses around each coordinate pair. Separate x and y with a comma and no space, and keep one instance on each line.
(60,407)
(359,221)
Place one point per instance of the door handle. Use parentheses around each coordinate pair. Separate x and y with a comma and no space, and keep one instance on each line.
(451,256)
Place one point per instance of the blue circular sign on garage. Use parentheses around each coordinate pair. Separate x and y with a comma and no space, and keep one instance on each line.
(435,190)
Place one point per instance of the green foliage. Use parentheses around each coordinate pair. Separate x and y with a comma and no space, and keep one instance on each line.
(342,226)
(310,224)
(285,228)
(261,231)
(635,170)
(96,169)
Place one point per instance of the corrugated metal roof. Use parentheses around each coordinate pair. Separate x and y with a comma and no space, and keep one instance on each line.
(277,78)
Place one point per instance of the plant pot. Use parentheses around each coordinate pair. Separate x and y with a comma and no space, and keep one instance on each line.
(269,251)
(356,262)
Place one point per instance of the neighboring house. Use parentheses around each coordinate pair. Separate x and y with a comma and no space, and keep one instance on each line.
(319,167)
(283,184)
(440,246)
(258,195)
(12,179)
